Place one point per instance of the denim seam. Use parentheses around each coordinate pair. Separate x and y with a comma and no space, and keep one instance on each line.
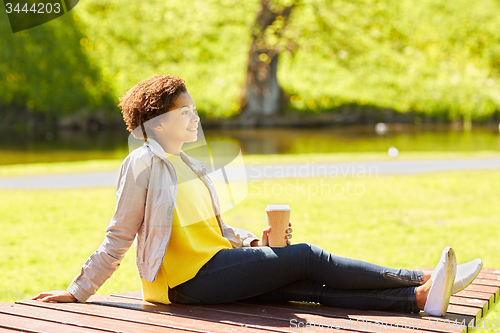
(393,276)
(414,305)
(350,271)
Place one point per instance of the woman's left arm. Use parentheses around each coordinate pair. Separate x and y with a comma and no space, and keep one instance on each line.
(242,238)
(238,237)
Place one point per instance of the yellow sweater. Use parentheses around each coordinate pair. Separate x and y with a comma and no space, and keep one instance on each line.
(195,238)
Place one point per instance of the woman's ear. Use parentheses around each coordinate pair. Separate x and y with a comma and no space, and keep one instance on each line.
(158,122)
(158,127)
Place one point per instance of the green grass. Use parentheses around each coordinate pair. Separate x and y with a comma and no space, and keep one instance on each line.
(398,221)
(114,164)
(59,168)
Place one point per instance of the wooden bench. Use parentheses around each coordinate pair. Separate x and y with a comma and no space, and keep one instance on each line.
(128,313)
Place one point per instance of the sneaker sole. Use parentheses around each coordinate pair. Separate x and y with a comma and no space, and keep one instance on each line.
(451,270)
(468,284)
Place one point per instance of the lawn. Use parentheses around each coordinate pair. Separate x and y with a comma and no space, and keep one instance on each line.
(398,221)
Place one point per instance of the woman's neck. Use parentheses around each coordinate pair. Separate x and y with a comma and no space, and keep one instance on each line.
(171,148)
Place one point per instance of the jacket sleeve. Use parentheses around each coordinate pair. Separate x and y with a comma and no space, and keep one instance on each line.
(236,236)
(121,231)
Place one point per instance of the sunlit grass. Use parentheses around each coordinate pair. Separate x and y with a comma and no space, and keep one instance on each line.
(398,221)
(59,168)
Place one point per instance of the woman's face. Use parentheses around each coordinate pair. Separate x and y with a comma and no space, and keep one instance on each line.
(180,123)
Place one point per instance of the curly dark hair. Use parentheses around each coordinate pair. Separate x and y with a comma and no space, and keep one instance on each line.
(149,99)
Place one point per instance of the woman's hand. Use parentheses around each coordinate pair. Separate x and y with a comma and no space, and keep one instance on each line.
(264,240)
(55,296)
(288,233)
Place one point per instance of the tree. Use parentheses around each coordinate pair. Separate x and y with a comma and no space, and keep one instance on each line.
(262,95)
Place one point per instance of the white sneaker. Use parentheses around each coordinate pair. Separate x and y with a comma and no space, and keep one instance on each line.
(442,278)
(466,273)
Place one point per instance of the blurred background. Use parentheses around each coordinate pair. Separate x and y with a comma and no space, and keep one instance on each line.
(290,82)
(432,65)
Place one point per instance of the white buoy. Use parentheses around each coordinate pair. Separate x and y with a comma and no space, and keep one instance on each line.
(381,128)
(393,151)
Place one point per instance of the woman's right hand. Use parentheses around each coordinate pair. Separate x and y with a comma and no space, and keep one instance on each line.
(56,296)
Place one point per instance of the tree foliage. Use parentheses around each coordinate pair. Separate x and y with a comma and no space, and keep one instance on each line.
(437,57)
(43,70)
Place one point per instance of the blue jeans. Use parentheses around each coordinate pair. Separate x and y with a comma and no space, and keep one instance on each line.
(301,272)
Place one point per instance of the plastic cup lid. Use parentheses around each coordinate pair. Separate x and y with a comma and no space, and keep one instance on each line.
(271,208)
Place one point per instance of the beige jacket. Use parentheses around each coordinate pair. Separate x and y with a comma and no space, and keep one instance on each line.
(146,192)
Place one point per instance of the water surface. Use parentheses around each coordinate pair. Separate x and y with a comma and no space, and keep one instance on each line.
(112,144)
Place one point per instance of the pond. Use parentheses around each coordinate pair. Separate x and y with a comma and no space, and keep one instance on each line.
(112,144)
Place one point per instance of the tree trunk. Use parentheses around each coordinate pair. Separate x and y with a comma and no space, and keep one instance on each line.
(262,95)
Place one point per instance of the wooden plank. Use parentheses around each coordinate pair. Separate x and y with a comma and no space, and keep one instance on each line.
(88,321)
(7,330)
(465,310)
(491,270)
(289,315)
(455,321)
(467,301)
(488,276)
(329,312)
(478,296)
(136,294)
(469,306)
(128,312)
(479,287)
(474,294)
(24,324)
(364,317)
(315,313)
(465,307)
(481,291)
(161,314)
(487,282)
(496,300)
(472,302)
(493,292)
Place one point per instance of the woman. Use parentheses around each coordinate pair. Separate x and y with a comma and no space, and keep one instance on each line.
(185,253)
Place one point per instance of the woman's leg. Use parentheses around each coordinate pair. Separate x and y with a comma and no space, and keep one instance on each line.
(394,299)
(246,272)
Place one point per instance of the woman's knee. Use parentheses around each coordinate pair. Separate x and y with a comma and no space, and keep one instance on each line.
(309,249)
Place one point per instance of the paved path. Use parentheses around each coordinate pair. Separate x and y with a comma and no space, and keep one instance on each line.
(256,171)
